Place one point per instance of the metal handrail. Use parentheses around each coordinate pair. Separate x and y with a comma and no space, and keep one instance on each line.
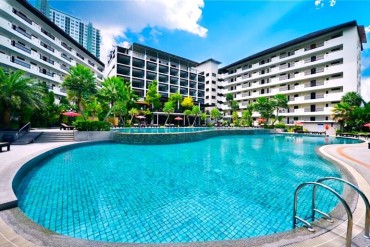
(344,203)
(366,201)
(21,129)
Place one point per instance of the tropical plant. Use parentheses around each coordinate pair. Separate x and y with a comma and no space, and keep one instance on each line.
(187,113)
(279,101)
(353,99)
(152,95)
(133,112)
(16,91)
(341,113)
(187,102)
(203,116)
(215,114)
(112,91)
(195,111)
(265,107)
(235,117)
(168,108)
(80,84)
(234,105)
(93,107)
(176,99)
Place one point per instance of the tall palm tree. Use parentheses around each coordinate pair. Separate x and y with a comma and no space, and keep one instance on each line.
(176,98)
(17,90)
(353,99)
(279,101)
(168,108)
(195,111)
(341,113)
(80,84)
(112,90)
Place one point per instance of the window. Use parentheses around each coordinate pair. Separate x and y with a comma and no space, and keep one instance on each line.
(312,119)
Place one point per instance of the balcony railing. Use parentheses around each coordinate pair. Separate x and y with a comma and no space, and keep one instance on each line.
(19,30)
(66,57)
(318,83)
(47,34)
(47,46)
(23,16)
(20,62)
(46,59)
(66,46)
(23,48)
(46,73)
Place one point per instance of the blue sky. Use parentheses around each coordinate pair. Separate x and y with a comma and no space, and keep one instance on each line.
(224,30)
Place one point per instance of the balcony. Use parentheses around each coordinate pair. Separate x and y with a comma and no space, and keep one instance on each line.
(46,59)
(47,46)
(43,71)
(66,46)
(21,47)
(22,16)
(22,31)
(47,34)
(20,62)
(66,57)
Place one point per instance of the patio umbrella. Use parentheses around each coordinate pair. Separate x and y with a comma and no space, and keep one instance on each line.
(71,114)
(140,117)
(367,125)
(178,119)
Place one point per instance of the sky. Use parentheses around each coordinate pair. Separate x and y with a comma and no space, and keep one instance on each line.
(225,30)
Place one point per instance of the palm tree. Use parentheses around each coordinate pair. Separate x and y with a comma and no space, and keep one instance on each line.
(17,90)
(195,111)
(279,101)
(203,117)
(133,112)
(80,85)
(341,113)
(176,99)
(168,108)
(215,114)
(152,95)
(187,113)
(353,99)
(112,90)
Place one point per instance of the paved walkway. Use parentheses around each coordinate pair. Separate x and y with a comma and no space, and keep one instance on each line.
(355,157)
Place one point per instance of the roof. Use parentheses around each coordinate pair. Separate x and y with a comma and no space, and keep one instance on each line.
(297,41)
(210,60)
(41,16)
(140,46)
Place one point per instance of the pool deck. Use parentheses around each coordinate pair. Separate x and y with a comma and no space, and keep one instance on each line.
(355,157)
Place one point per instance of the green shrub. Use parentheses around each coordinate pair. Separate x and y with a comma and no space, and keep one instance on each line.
(279,126)
(88,125)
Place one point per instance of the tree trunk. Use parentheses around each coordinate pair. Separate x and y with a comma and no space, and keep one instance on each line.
(168,116)
(276,117)
(6,117)
(195,119)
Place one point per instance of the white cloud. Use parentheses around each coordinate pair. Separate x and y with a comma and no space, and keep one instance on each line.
(109,36)
(367,29)
(136,15)
(365,88)
(320,3)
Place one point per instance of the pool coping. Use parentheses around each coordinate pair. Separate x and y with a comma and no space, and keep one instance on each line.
(30,230)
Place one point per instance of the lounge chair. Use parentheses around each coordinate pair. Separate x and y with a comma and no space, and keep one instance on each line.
(4,144)
(66,127)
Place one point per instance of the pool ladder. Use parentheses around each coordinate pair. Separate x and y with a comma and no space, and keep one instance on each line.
(326,216)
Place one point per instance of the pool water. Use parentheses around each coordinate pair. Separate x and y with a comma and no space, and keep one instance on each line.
(221,188)
(163,130)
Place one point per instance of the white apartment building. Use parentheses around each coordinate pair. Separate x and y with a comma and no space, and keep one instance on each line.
(313,71)
(84,33)
(213,97)
(29,41)
(140,65)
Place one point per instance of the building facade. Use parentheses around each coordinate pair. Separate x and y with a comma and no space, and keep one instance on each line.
(140,65)
(313,71)
(42,6)
(84,33)
(29,41)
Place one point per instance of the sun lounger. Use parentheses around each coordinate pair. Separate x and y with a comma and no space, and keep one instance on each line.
(4,144)
(66,127)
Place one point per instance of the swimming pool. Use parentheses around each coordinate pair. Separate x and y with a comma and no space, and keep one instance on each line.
(163,130)
(222,188)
